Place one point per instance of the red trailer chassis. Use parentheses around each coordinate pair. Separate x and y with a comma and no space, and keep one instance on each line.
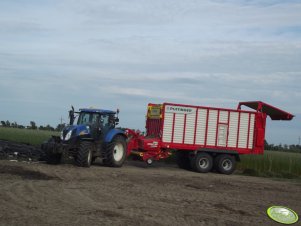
(203,135)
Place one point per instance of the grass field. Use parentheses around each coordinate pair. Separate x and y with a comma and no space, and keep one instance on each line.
(28,136)
(272,164)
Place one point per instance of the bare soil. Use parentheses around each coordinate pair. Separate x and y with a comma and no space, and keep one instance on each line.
(41,194)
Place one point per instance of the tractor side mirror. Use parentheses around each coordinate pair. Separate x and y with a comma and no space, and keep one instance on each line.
(116,121)
(71,115)
(116,118)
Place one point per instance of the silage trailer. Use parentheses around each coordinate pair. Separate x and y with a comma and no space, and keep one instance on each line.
(203,138)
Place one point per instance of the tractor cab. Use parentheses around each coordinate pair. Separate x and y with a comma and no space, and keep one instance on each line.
(98,117)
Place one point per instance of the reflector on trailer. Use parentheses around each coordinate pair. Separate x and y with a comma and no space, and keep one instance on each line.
(273,112)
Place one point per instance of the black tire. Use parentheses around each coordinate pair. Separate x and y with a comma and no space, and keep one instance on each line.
(225,164)
(48,155)
(53,159)
(115,152)
(182,159)
(93,159)
(84,155)
(202,162)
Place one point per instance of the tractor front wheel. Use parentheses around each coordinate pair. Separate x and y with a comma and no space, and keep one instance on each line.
(84,155)
(53,158)
(50,156)
(115,152)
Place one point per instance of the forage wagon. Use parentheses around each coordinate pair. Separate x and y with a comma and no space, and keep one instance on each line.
(203,138)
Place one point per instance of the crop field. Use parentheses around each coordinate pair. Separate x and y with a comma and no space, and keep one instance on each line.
(28,136)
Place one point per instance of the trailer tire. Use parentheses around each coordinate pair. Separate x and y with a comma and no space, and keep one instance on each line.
(115,152)
(202,162)
(225,164)
(84,155)
(182,159)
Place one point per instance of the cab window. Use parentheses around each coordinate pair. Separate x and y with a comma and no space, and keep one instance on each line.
(105,120)
(87,118)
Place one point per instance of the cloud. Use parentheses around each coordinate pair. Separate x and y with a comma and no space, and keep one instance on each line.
(129,53)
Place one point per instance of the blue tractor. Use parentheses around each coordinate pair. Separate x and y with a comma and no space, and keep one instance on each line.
(94,135)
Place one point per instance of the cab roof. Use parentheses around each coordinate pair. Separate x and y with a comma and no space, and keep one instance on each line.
(94,110)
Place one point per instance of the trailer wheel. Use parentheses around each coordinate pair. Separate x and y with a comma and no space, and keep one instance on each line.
(202,162)
(149,161)
(225,164)
(182,159)
(115,152)
(84,155)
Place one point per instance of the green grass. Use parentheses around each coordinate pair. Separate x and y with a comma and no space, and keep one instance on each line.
(28,136)
(272,164)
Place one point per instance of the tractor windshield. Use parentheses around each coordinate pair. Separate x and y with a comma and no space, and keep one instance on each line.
(86,118)
(89,118)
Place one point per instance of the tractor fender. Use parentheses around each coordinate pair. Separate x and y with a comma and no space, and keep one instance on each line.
(112,133)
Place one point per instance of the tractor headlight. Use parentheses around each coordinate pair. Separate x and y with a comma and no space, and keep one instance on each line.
(68,135)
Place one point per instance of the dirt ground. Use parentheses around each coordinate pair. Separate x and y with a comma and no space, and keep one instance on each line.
(41,194)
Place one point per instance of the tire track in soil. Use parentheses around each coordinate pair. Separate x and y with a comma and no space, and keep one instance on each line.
(162,201)
(79,200)
(136,196)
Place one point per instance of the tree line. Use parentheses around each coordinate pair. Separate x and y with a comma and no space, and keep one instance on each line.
(32,125)
(282,147)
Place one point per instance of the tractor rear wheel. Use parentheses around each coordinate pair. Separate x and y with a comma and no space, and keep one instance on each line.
(225,164)
(182,159)
(115,152)
(84,155)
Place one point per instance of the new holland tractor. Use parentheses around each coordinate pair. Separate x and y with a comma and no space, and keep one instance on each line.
(94,135)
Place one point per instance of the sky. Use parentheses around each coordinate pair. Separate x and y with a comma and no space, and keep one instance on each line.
(128,53)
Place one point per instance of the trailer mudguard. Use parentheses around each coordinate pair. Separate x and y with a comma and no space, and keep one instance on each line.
(112,133)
